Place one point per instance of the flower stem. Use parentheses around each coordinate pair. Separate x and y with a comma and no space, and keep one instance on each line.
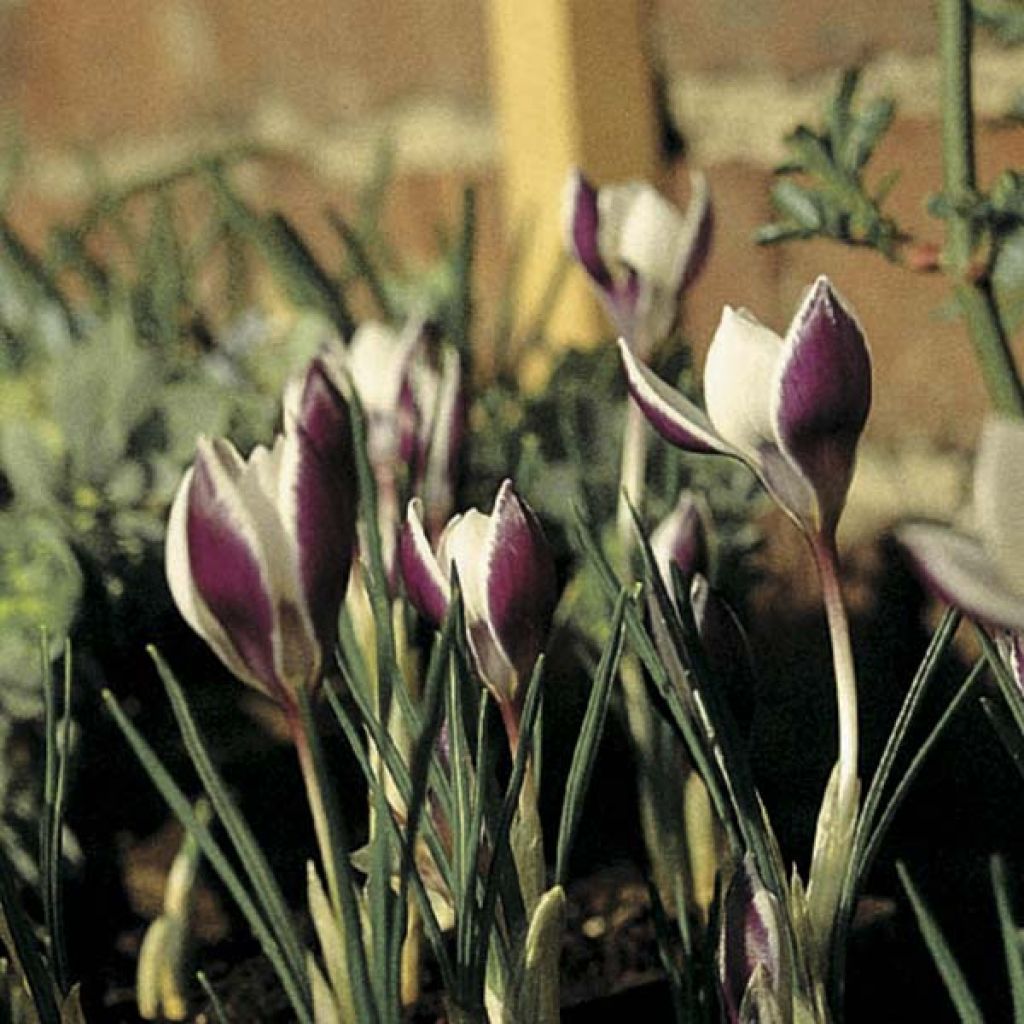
(974,296)
(827,561)
(631,475)
(318,811)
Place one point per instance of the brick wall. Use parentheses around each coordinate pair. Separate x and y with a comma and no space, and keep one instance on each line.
(136,81)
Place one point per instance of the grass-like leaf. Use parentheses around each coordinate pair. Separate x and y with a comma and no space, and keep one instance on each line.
(16,934)
(217,1008)
(343,892)
(1011,935)
(952,976)
(591,731)
(295,987)
(501,853)
(57,734)
(253,861)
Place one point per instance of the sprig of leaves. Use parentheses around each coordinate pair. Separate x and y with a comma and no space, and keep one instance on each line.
(822,192)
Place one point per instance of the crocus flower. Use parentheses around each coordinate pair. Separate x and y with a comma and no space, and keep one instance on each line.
(410,388)
(681,540)
(793,409)
(982,573)
(506,572)
(259,550)
(640,252)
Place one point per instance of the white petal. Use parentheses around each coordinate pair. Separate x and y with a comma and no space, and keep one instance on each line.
(964,574)
(655,239)
(377,358)
(467,545)
(739,381)
(999,497)
(614,205)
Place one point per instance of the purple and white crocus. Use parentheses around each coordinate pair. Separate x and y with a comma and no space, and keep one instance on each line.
(506,572)
(640,252)
(981,572)
(410,388)
(791,408)
(258,550)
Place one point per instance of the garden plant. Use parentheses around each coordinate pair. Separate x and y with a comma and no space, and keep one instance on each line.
(461,609)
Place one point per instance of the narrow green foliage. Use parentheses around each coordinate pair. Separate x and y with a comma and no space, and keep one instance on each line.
(888,812)
(952,976)
(389,676)
(1010,933)
(254,863)
(38,282)
(1007,684)
(1005,727)
(57,744)
(867,823)
(346,904)
(217,1008)
(831,198)
(16,934)
(362,265)
(591,731)
(501,852)
(296,987)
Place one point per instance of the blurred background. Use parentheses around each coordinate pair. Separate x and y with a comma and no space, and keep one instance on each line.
(121,88)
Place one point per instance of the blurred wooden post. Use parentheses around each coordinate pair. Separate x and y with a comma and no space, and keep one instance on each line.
(571,88)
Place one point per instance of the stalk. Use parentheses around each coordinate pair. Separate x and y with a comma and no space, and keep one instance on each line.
(631,476)
(973,294)
(827,561)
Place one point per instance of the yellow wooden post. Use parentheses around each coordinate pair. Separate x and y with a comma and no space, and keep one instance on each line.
(571,88)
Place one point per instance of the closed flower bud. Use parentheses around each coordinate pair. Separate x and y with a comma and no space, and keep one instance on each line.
(506,572)
(793,409)
(259,549)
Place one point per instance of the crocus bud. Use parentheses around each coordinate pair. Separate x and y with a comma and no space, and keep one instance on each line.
(680,540)
(750,948)
(259,550)
(793,409)
(640,252)
(982,572)
(506,572)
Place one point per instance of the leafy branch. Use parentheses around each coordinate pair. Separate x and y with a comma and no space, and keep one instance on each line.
(822,192)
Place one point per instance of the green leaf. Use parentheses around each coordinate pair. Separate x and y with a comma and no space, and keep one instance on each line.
(296,988)
(1010,934)
(798,203)
(253,861)
(580,771)
(952,976)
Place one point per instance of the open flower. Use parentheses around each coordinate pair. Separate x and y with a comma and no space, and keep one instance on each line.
(982,573)
(506,572)
(793,409)
(259,550)
(640,251)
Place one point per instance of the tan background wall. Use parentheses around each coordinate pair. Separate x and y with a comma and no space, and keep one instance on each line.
(136,82)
